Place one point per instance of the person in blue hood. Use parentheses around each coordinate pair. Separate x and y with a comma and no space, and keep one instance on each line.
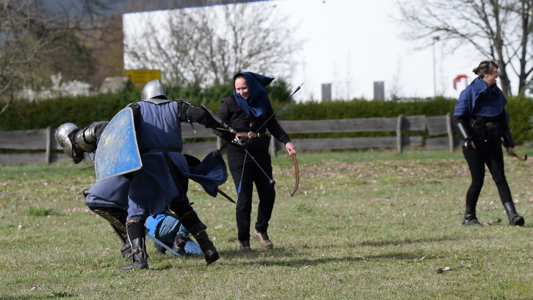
(482,123)
(247,109)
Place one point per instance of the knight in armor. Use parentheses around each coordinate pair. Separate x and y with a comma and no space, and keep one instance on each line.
(160,186)
(482,123)
(107,198)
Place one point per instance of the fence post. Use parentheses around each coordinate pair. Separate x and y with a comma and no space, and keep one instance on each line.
(399,138)
(449,128)
(48,154)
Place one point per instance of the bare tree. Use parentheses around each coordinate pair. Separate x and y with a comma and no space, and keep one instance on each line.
(24,36)
(206,45)
(498,29)
(36,42)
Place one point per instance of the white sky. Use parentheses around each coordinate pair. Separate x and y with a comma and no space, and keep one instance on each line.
(352,43)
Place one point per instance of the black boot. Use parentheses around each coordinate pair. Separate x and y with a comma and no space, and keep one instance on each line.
(209,250)
(139,255)
(514,218)
(189,219)
(471,220)
(137,238)
(470,217)
(179,244)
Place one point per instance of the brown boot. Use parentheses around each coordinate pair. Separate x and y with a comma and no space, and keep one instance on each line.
(262,237)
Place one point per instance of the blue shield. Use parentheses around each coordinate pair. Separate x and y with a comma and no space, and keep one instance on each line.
(117,152)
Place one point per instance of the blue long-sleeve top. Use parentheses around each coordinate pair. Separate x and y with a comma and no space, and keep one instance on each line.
(478,99)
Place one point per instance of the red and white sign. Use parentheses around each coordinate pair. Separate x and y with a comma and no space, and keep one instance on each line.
(458,79)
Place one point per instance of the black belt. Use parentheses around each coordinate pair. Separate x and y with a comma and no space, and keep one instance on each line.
(250,134)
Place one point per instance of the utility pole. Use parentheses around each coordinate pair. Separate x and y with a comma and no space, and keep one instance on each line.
(435,39)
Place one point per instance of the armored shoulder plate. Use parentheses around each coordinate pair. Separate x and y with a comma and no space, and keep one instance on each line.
(157,101)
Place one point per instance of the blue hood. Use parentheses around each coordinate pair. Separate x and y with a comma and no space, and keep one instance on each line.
(258,100)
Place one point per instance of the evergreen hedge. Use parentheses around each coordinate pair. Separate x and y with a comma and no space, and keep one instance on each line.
(84,110)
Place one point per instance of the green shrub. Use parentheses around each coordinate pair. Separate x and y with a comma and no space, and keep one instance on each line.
(84,110)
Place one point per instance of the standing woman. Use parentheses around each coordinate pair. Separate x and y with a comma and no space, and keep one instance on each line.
(246,109)
(482,123)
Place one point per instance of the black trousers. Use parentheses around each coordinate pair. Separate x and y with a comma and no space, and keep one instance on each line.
(491,155)
(251,174)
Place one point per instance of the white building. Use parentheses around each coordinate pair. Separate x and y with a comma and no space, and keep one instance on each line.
(351,44)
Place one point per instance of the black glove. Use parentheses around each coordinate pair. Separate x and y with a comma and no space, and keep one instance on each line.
(469,144)
(183,108)
(210,121)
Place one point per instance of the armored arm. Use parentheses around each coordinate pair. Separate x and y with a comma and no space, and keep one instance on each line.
(188,113)
(464,130)
(87,138)
(75,141)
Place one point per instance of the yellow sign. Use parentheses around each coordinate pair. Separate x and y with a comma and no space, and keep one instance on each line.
(141,77)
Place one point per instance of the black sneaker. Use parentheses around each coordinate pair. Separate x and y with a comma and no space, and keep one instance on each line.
(244,246)
(471,220)
(179,245)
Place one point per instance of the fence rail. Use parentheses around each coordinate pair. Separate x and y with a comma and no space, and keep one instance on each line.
(43,139)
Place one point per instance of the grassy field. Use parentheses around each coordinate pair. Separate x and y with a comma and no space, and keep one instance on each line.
(363,225)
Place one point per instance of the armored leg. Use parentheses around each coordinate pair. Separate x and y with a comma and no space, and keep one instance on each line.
(118,227)
(137,238)
(189,219)
(126,247)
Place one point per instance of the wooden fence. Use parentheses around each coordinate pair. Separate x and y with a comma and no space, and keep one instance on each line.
(43,139)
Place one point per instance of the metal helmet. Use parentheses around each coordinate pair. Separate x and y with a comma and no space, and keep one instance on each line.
(62,137)
(153,89)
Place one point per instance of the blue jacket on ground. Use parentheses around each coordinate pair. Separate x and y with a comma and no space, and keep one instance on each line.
(166,227)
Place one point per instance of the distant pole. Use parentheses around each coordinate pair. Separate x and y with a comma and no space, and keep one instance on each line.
(435,39)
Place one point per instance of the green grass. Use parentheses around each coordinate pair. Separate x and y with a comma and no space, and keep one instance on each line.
(363,225)
(39,212)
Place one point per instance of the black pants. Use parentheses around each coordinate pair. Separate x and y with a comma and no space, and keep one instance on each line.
(252,174)
(490,155)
